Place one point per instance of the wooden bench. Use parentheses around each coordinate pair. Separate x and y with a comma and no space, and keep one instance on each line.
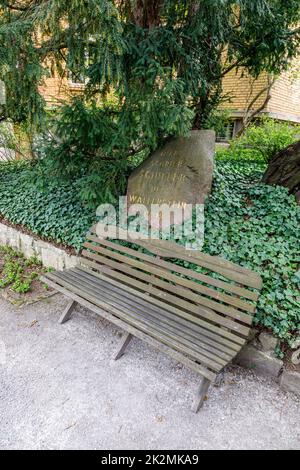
(201,317)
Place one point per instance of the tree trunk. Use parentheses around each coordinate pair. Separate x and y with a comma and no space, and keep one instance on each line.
(147,13)
(284,170)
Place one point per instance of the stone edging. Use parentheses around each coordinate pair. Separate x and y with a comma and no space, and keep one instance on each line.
(258,355)
(50,255)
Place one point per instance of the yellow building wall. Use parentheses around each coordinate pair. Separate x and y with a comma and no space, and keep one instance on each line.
(57,90)
(285,98)
(284,103)
(239,89)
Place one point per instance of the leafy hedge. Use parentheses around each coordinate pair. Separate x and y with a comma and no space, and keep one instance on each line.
(260,142)
(54,211)
(249,223)
(258,226)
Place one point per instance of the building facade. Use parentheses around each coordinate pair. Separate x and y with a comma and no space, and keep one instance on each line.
(244,96)
(277,98)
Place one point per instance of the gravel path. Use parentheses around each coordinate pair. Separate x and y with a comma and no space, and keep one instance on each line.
(60,389)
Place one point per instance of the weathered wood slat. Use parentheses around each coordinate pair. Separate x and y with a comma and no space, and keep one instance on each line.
(207,302)
(167,249)
(191,364)
(162,273)
(218,335)
(90,296)
(181,318)
(181,328)
(223,297)
(201,312)
(195,348)
(170,301)
(226,286)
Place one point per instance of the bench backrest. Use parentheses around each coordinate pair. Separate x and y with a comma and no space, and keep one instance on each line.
(220,296)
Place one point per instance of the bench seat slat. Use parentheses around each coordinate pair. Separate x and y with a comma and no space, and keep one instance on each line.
(193,365)
(165,273)
(240,291)
(90,295)
(169,321)
(217,334)
(180,289)
(202,313)
(212,339)
(144,317)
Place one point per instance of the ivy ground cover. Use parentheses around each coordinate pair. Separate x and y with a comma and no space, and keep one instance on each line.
(249,223)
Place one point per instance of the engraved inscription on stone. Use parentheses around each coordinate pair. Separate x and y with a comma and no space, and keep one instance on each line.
(178,174)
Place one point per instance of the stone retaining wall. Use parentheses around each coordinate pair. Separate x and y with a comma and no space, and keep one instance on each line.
(259,355)
(50,255)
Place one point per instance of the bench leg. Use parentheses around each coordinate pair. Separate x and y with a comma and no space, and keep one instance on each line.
(67,312)
(124,343)
(200,396)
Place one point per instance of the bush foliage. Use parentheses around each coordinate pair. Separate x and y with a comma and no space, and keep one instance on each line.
(81,148)
(254,225)
(54,211)
(258,226)
(261,141)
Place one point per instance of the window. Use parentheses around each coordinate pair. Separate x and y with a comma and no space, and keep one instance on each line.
(227,133)
(76,79)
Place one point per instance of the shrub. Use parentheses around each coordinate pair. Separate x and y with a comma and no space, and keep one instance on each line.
(261,141)
(218,120)
(80,147)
